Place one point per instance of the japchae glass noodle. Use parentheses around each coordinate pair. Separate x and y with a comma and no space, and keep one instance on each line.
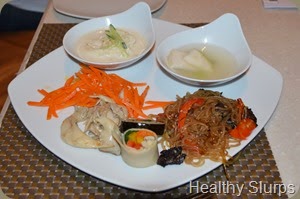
(201,122)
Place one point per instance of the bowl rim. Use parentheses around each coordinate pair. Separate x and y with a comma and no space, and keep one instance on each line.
(198,81)
(108,19)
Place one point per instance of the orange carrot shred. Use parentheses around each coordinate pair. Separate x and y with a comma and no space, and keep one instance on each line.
(81,89)
(156,104)
(43,92)
(89,82)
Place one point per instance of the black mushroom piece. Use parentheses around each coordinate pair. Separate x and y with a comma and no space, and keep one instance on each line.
(171,156)
(249,114)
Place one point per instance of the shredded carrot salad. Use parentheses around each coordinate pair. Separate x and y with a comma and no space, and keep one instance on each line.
(81,89)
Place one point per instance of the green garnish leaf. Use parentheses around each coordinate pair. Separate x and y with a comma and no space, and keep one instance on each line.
(116,39)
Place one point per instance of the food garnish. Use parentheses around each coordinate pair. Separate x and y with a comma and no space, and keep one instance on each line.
(81,89)
(150,104)
(185,108)
(116,39)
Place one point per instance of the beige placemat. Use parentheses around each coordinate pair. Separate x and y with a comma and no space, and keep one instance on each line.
(29,170)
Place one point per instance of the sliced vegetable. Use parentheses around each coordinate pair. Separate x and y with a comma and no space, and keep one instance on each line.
(116,39)
(192,60)
(185,108)
(198,60)
(243,129)
(134,138)
(156,104)
(81,89)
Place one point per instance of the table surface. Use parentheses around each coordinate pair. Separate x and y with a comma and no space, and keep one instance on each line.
(273,36)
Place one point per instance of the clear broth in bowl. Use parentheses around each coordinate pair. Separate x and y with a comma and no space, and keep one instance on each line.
(217,62)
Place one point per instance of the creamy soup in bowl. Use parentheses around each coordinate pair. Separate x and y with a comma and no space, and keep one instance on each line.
(97,46)
(112,42)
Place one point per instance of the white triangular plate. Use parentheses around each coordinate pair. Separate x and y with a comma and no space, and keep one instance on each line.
(260,89)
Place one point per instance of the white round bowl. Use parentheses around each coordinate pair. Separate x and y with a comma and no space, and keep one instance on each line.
(224,32)
(138,18)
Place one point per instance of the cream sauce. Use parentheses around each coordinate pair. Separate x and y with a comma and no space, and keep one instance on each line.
(95,46)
